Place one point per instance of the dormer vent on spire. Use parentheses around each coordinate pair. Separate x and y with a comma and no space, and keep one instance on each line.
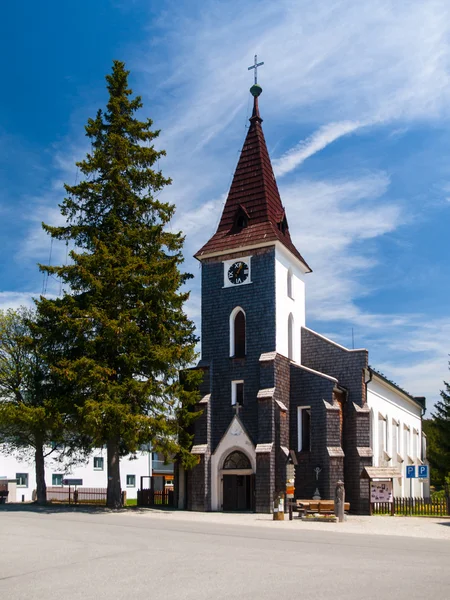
(253,214)
(241,220)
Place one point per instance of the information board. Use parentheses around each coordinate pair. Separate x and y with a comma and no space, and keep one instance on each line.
(381,491)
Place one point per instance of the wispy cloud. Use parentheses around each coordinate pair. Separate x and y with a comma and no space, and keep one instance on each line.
(331,68)
(325,135)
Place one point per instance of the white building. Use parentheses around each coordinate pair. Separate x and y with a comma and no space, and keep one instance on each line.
(93,473)
(396,432)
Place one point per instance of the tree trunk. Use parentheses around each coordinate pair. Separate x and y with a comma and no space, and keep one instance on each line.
(114,492)
(41,488)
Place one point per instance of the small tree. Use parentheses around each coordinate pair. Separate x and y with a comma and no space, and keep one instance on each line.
(122,322)
(30,417)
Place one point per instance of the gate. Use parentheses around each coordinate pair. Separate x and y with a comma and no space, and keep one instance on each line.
(158,494)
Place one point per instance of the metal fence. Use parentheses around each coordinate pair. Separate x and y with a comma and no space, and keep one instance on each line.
(150,497)
(416,507)
(72,495)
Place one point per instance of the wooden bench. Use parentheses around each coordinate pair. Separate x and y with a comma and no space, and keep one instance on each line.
(323,507)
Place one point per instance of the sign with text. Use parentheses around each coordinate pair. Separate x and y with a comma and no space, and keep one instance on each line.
(423,471)
(410,472)
(381,491)
(72,482)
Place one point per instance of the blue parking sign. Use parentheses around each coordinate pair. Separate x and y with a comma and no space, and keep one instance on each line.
(410,471)
(423,471)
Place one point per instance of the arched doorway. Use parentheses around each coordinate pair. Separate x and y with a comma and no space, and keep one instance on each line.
(238,482)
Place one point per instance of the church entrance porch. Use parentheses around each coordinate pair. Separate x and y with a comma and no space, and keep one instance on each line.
(237,482)
(237,492)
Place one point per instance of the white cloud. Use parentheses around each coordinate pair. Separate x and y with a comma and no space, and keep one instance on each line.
(331,68)
(316,142)
(16,299)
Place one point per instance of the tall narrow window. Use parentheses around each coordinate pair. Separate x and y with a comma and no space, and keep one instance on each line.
(382,441)
(415,450)
(304,428)
(237,393)
(291,337)
(237,331)
(406,442)
(289,284)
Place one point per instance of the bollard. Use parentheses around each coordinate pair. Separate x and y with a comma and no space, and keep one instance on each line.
(339,501)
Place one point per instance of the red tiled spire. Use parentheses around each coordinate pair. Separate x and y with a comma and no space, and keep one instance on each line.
(253,213)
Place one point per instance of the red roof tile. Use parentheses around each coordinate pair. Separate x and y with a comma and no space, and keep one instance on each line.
(253,193)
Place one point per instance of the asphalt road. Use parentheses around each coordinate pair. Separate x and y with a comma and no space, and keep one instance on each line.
(91,555)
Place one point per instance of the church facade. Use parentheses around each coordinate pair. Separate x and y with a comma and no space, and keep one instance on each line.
(273,390)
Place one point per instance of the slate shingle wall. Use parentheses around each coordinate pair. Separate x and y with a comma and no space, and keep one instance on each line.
(348,367)
(258,301)
(308,389)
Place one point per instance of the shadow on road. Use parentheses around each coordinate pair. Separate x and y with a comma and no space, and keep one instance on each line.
(446,523)
(31,507)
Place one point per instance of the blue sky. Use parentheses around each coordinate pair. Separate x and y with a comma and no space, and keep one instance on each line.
(356,109)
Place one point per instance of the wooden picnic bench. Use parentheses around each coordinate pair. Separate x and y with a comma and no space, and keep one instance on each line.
(323,507)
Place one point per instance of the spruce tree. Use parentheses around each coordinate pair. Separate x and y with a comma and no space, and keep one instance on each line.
(121,329)
(439,454)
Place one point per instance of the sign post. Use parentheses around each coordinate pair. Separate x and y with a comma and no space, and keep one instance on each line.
(290,489)
(410,474)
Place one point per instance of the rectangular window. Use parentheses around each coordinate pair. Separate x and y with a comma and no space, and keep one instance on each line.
(131,480)
(304,428)
(289,285)
(237,393)
(381,440)
(406,442)
(415,444)
(57,479)
(98,463)
(22,479)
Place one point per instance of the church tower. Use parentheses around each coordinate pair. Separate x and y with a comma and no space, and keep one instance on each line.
(253,309)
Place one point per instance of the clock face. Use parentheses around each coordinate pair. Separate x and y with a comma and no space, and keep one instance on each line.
(238,272)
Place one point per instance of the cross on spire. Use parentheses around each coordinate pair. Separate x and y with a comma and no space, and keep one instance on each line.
(255,66)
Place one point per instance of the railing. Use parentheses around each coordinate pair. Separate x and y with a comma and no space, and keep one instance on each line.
(158,466)
(417,507)
(74,495)
(149,497)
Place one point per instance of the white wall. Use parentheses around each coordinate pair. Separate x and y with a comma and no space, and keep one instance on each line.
(286,305)
(395,406)
(10,466)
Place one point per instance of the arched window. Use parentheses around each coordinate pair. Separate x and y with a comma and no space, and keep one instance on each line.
(237,333)
(289,284)
(237,460)
(291,337)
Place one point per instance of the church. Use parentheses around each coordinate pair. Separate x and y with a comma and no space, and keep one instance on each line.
(273,390)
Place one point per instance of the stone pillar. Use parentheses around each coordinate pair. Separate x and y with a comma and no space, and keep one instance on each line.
(339,501)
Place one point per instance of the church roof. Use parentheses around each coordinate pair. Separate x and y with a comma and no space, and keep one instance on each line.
(253,213)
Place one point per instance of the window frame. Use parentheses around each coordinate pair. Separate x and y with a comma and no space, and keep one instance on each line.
(26,477)
(234,392)
(102,459)
(131,485)
(61,475)
(233,315)
(291,337)
(290,287)
(300,419)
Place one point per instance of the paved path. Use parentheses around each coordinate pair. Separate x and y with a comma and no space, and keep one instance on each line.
(67,555)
